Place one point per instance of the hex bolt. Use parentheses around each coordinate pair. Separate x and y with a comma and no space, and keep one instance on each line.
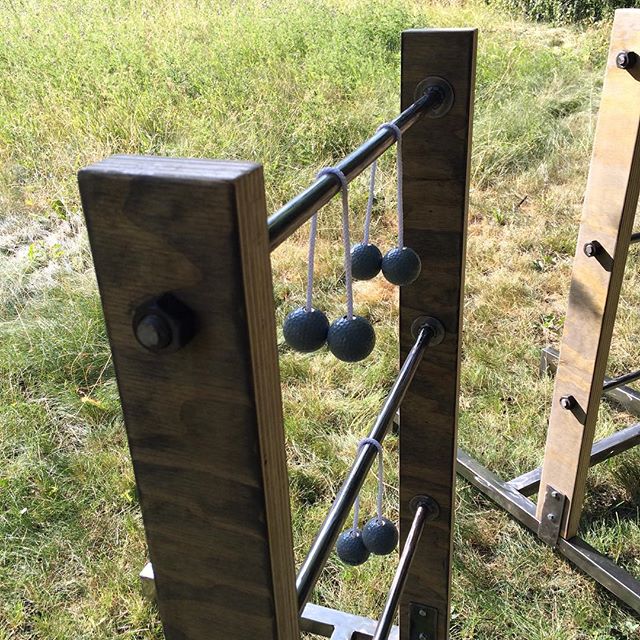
(163,324)
(592,249)
(153,332)
(626,59)
(567,402)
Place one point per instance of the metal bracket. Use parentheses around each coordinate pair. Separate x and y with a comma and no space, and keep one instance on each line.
(423,622)
(552,510)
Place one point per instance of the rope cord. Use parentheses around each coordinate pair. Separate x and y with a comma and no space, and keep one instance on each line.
(398,135)
(367,218)
(345,233)
(356,505)
(310,261)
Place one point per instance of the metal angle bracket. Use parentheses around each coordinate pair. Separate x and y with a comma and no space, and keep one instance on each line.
(552,511)
(423,622)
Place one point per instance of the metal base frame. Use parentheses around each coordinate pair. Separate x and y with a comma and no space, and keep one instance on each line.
(612,577)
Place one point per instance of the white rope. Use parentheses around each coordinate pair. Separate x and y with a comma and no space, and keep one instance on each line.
(345,233)
(367,219)
(398,135)
(312,253)
(356,504)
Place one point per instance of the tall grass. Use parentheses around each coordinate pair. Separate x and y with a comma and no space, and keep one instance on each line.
(565,11)
(295,85)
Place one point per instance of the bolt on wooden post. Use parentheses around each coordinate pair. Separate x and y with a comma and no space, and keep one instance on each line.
(182,258)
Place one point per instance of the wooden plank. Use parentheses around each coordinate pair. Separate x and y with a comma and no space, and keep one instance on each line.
(609,210)
(436,155)
(204,422)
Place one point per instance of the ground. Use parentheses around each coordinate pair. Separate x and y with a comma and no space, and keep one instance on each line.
(295,85)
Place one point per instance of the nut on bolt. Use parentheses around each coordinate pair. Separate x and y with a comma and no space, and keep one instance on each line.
(626,59)
(567,402)
(592,249)
(163,324)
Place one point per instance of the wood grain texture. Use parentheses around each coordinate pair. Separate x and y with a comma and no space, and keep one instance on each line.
(608,213)
(436,155)
(204,423)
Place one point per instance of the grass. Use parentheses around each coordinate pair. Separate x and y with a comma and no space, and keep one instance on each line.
(81,80)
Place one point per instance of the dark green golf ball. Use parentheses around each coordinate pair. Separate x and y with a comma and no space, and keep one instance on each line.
(366,261)
(351,339)
(401,266)
(351,549)
(304,330)
(380,536)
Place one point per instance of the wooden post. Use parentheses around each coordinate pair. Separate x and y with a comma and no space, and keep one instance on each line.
(609,210)
(203,420)
(436,155)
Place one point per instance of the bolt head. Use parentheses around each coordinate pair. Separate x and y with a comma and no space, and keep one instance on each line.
(592,249)
(567,402)
(153,332)
(551,517)
(422,613)
(555,494)
(626,59)
(163,324)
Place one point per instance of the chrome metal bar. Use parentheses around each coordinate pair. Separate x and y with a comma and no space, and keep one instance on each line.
(627,397)
(612,577)
(614,383)
(527,483)
(299,209)
(330,529)
(385,624)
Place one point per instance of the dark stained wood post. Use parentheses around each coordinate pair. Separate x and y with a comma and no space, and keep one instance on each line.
(609,210)
(204,420)
(436,154)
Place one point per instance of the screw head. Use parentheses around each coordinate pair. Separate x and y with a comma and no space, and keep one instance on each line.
(555,494)
(422,613)
(551,517)
(423,636)
(592,249)
(567,402)
(626,59)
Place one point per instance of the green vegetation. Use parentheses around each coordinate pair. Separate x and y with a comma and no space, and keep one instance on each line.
(295,85)
(565,11)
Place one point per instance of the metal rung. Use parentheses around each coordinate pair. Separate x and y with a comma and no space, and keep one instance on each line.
(527,483)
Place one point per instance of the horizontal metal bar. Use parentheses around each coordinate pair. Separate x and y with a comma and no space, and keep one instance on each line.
(627,397)
(527,483)
(615,579)
(298,210)
(385,624)
(614,383)
(334,521)
(339,625)
(521,508)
